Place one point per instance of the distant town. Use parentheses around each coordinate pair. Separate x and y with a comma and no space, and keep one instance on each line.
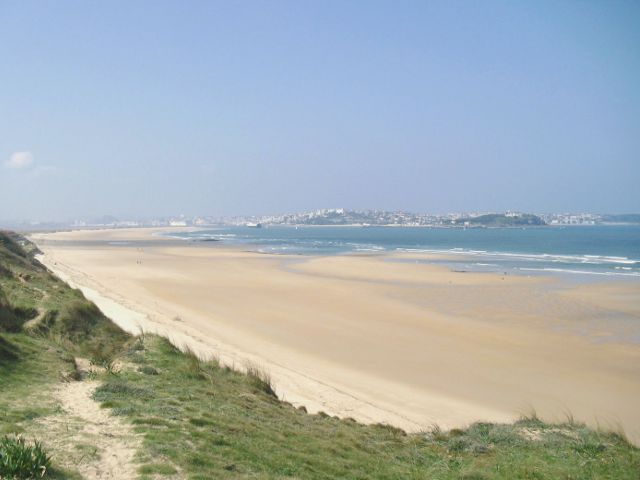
(343,217)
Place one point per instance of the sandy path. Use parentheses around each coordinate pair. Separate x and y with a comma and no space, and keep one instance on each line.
(86,438)
(373,338)
(113,439)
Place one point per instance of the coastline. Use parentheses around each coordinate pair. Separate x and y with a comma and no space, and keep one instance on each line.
(380,327)
(514,251)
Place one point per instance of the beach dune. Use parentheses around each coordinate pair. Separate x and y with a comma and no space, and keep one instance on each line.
(379,338)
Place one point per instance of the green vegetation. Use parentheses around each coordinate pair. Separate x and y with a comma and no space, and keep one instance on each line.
(200,420)
(18,459)
(44,324)
(207,421)
(30,368)
(502,220)
(31,297)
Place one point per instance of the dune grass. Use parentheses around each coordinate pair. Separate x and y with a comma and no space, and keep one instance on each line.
(201,420)
(66,317)
(207,421)
(29,370)
(35,359)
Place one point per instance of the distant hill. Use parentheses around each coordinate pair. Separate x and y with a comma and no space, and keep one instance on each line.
(502,220)
(341,216)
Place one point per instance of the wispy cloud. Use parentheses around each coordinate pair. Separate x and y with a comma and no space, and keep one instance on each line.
(19,160)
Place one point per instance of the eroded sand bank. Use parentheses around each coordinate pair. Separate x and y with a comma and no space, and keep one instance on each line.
(377,338)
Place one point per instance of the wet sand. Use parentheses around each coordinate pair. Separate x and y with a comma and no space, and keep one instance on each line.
(380,338)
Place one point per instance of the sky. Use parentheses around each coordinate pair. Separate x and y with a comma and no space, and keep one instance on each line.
(154,108)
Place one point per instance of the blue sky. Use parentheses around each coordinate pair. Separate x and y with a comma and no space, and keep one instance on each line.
(158,108)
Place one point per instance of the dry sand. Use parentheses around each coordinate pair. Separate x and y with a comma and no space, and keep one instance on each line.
(86,438)
(372,337)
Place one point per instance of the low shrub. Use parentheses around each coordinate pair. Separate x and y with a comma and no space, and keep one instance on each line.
(21,460)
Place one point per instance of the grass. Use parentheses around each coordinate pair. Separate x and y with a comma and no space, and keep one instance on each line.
(68,319)
(32,371)
(19,459)
(260,379)
(201,420)
(208,421)
(33,361)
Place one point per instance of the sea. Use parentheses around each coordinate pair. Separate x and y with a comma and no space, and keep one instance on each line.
(581,252)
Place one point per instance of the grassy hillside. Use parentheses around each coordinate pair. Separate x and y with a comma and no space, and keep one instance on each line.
(207,421)
(200,420)
(32,297)
(44,326)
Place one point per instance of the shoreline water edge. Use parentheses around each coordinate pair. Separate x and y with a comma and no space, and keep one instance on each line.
(397,337)
(589,250)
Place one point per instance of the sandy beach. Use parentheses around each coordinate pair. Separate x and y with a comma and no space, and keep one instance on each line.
(379,338)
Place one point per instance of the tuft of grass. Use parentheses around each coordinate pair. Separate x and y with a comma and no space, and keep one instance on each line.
(118,388)
(194,363)
(19,459)
(260,379)
(157,469)
(148,370)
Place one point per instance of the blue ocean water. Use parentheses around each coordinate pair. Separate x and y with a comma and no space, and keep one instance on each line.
(584,250)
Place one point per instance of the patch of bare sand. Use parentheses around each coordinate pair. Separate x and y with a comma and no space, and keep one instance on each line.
(87,438)
(539,434)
